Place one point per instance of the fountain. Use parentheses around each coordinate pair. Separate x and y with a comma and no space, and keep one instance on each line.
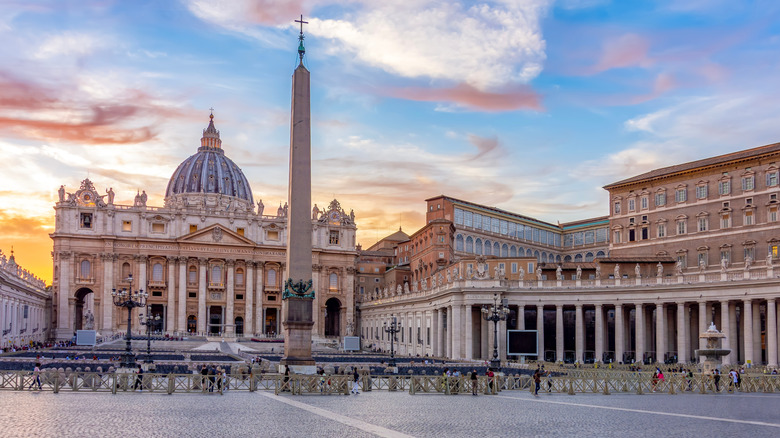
(711,354)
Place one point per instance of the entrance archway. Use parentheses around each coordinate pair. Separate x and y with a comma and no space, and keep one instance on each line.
(333,317)
(239,326)
(270,321)
(215,320)
(192,324)
(82,300)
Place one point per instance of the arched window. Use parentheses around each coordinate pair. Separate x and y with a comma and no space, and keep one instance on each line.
(271,277)
(85,269)
(513,251)
(578,258)
(125,270)
(558,258)
(157,272)
(459,243)
(505,250)
(240,277)
(216,274)
(600,254)
(589,257)
(478,246)
(334,281)
(496,249)
(488,248)
(192,275)
(530,253)
(544,257)
(469,244)
(538,257)
(567,258)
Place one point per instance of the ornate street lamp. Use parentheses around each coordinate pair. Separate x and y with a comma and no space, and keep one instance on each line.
(392,329)
(149,321)
(130,299)
(496,312)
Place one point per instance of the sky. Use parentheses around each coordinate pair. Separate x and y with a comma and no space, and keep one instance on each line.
(529,106)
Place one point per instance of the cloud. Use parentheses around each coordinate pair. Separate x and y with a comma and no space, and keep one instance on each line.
(628,50)
(71,44)
(467,96)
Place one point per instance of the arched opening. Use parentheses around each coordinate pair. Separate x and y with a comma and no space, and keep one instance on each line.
(126,270)
(488,248)
(84,303)
(332,317)
(192,324)
(215,320)
(239,326)
(270,321)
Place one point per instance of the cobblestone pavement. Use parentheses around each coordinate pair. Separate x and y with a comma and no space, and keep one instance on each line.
(381,413)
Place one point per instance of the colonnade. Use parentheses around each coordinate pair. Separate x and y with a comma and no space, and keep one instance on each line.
(19,326)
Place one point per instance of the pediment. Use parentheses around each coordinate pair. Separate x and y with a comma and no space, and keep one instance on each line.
(216,234)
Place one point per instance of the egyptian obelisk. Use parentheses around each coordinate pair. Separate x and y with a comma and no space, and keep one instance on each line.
(298,292)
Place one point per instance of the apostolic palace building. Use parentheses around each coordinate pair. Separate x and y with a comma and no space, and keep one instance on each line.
(211,259)
(683,247)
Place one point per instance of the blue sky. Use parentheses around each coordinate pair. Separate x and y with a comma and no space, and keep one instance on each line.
(529,106)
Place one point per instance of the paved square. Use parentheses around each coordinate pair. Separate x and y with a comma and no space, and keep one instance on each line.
(380,413)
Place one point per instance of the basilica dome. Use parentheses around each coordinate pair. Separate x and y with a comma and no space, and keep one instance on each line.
(209,171)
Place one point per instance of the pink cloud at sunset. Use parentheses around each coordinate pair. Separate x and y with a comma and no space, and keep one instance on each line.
(511,99)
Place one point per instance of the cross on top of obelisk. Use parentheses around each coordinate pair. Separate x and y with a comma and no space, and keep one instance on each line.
(301,49)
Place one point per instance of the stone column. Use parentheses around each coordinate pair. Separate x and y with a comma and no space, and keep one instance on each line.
(249,296)
(772,333)
(639,321)
(747,326)
(682,334)
(435,332)
(449,333)
(725,328)
(440,339)
(599,338)
(660,332)
(757,359)
(107,303)
(259,312)
(181,309)
(63,307)
(484,339)
(559,333)
(579,335)
(469,332)
(540,329)
(457,326)
(230,292)
(620,331)
(202,264)
(502,340)
(520,317)
(702,323)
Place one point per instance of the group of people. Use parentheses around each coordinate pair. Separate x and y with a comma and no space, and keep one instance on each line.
(213,377)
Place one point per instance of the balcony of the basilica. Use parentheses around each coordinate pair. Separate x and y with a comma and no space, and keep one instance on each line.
(85,280)
(216,285)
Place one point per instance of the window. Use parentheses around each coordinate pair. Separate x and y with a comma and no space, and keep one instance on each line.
(661,230)
(530,267)
(193,228)
(158,227)
(127,226)
(240,277)
(775,251)
(645,202)
(216,274)
(192,275)
(660,199)
(240,231)
(701,192)
(750,251)
(333,281)
(680,195)
(683,259)
(725,220)
(681,228)
(616,239)
(86,220)
(724,187)
(725,254)
(771,179)
(125,271)
(272,235)
(749,217)
(616,207)
(631,204)
(86,269)
(772,217)
(271,277)
(459,243)
(514,268)
(333,237)
(157,272)
(702,224)
(748,183)
(702,258)
(645,236)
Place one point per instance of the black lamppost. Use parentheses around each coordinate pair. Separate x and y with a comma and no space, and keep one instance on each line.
(496,312)
(130,299)
(392,329)
(149,321)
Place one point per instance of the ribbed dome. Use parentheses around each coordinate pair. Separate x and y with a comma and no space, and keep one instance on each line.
(209,171)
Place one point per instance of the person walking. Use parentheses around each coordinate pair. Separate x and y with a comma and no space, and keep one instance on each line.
(356,382)
(537,381)
(474,382)
(139,375)
(37,376)
(734,380)
(716,378)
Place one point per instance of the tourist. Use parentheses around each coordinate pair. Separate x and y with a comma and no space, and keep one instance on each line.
(660,376)
(356,384)
(549,381)
(139,375)
(37,373)
(654,380)
(537,381)
(286,380)
(716,378)
(474,382)
(491,376)
(456,375)
(690,380)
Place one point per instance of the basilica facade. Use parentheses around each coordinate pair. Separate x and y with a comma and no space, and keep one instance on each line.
(211,259)
(683,247)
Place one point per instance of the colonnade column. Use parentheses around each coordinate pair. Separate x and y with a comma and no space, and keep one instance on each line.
(559,333)
(202,262)
(259,314)
(702,324)
(520,318)
(230,292)
(756,333)
(502,340)
(170,312)
(620,331)
(469,325)
(771,332)
(435,332)
(181,311)
(747,326)
(579,335)
(249,308)
(660,332)
(599,333)
(725,328)
(63,292)
(682,334)
(457,325)
(108,301)
(540,329)
(440,341)
(450,328)
(639,321)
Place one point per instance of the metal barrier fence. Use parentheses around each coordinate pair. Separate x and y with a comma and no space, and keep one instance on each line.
(593,382)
